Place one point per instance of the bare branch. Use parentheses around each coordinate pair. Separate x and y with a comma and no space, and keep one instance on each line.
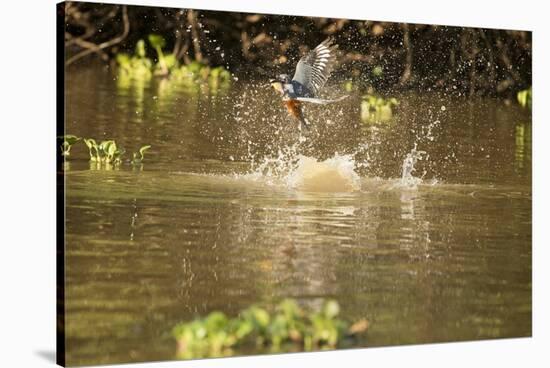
(192,19)
(91,47)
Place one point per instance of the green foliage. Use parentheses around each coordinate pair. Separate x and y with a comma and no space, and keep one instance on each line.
(157,41)
(92,147)
(140,49)
(162,67)
(376,109)
(288,328)
(105,152)
(525,97)
(364,83)
(349,86)
(139,156)
(138,67)
(216,78)
(68,141)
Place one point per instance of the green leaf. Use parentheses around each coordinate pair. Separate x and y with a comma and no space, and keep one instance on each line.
(143,149)
(525,97)
(111,149)
(157,41)
(65,149)
(331,309)
(170,61)
(92,146)
(140,49)
(70,139)
(123,60)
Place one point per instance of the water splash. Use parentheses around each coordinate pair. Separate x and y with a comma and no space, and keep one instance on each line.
(407,177)
(298,166)
(274,168)
(337,174)
(296,171)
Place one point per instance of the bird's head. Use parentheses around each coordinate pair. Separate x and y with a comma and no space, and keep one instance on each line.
(278,82)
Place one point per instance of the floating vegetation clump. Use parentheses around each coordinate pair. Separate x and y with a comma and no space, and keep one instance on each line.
(136,66)
(105,152)
(140,67)
(524,97)
(288,328)
(375,109)
(198,75)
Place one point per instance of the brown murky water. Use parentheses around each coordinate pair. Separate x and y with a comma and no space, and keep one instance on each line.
(230,209)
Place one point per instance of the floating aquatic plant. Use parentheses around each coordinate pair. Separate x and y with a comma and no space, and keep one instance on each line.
(139,67)
(288,328)
(68,141)
(525,97)
(104,152)
(377,109)
(139,156)
(136,66)
(165,62)
(92,147)
(217,78)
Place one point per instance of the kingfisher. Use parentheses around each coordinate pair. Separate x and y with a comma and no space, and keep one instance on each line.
(312,72)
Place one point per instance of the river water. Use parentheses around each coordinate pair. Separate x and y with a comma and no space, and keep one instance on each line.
(234,206)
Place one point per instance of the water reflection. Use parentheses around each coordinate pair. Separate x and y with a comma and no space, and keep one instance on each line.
(523,146)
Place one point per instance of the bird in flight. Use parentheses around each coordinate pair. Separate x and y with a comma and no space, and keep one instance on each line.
(311,74)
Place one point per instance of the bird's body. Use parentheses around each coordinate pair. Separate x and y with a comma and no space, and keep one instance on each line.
(295,109)
(312,72)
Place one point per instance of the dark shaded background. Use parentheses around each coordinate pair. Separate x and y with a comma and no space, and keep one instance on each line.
(464,61)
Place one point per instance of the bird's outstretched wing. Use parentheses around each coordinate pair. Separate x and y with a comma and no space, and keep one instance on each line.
(315,67)
(320,101)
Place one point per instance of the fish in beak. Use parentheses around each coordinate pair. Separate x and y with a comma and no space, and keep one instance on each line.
(277,85)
